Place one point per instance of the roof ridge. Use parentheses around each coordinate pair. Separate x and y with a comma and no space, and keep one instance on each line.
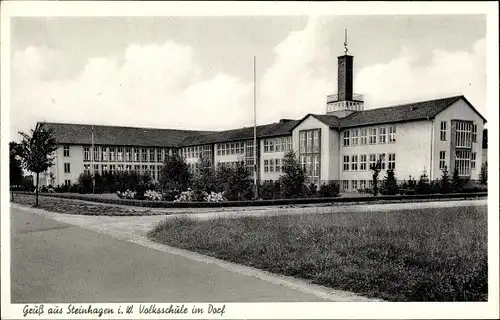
(125,127)
(417,102)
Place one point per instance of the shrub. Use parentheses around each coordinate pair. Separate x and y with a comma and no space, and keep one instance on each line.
(85,183)
(311,190)
(390,185)
(483,177)
(185,196)
(204,179)
(471,187)
(234,182)
(293,177)
(329,190)
(445,184)
(456,182)
(270,190)
(215,197)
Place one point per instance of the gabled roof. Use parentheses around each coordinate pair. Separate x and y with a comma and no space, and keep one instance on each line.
(422,110)
(69,133)
(268,130)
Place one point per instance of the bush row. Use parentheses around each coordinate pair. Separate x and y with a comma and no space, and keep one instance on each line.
(171,204)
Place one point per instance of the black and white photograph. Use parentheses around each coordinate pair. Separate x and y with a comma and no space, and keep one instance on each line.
(249,160)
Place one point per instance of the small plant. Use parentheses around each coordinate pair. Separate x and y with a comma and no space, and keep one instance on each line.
(293,177)
(127,194)
(153,195)
(375,168)
(215,197)
(423,185)
(456,182)
(329,190)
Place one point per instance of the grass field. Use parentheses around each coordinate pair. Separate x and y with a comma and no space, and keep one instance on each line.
(412,255)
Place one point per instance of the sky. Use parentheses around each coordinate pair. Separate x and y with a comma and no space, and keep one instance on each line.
(197,72)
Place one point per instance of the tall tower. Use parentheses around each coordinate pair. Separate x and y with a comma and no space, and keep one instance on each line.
(345,101)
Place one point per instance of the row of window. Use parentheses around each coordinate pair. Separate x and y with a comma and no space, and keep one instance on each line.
(465,133)
(464,161)
(281,144)
(196,152)
(364,136)
(230,148)
(153,170)
(273,165)
(364,162)
(126,154)
(354,185)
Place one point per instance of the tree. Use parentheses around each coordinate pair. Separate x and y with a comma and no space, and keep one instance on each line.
(483,177)
(445,184)
(36,151)
(375,168)
(204,179)
(174,175)
(390,184)
(423,185)
(293,177)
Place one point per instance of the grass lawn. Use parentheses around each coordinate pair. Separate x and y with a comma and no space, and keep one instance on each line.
(60,205)
(412,255)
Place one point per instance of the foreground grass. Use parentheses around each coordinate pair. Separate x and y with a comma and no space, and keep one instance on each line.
(412,255)
(60,205)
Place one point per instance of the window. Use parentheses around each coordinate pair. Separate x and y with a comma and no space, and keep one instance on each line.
(278,165)
(362,184)
(373,160)
(137,168)
(443,131)
(362,163)
(112,154)
(345,185)
(104,168)
(442,160)
(120,154)
(364,134)
(346,138)
(462,162)
(354,184)
(373,136)
(67,168)
(96,153)
(381,157)
(144,169)
(463,134)
(473,160)
(382,132)
(112,168)
(120,167)
(310,146)
(151,155)
(128,154)
(67,183)
(152,172)
(86,153)
(86,168)
(346,163)
(474,133)
(66,151)
(392,134)
(144,155)
(96,168)
(355,133)
(136,155)
(392,161)
(354,163)
(266,165)
(128,167)
(104,153)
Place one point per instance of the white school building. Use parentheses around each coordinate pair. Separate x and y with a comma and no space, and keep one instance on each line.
(339,145)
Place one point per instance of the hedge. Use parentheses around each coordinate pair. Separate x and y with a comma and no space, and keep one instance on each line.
(275,202)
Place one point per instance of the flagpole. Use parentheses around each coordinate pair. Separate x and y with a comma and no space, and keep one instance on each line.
(92,158)
(256,192)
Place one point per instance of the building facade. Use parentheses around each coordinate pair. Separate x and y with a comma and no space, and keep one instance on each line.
(340,145)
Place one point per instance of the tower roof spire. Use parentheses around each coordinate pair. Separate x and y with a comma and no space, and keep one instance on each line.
(345,42)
